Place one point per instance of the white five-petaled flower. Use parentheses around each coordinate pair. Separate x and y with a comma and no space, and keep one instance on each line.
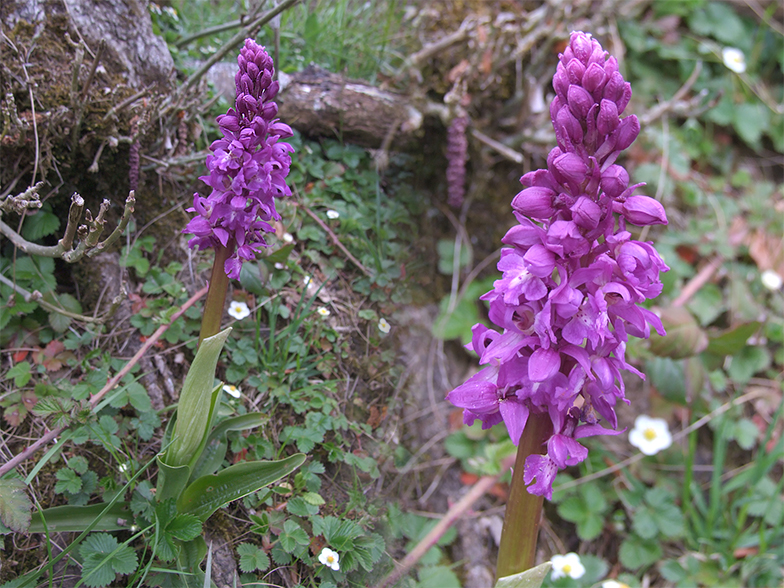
(567,565)
(231,390)
(771,280)
(650,435)
(306,280)
(278,265)
(288,237)
(323,311)
(614,584)
(333,214)
(384,326)
(238,310)
(330,558)
(123,467)
(734,59)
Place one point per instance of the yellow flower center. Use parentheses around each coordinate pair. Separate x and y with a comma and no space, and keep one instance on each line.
(649,434)
(567,569)
(331,558)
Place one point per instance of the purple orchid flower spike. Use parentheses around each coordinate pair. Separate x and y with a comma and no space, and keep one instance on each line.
(573,277)
(247,167)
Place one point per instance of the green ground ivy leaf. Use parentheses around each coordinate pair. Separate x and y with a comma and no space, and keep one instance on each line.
(440,576)
(252,558)
(292,536)
(104,558)
(78,464)
(747,362)
(67,481)
(745,433)
(636,552)
(15,506)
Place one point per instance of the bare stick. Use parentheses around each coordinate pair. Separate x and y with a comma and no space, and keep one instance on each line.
(96,398)
(36,296)
(507,152)
(450,518)
(698,281)
(334,237)
(74,216)
(229,46)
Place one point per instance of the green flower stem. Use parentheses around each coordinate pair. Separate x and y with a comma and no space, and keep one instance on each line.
(216,296)
(517,551)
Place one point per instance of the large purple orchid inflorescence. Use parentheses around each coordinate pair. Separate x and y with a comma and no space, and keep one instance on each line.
(573,278)
(248,167)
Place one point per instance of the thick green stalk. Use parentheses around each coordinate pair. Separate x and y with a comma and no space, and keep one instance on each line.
(517,551)
(216,296)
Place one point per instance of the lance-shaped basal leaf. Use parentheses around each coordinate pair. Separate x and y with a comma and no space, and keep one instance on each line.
(532,578)
(62,519)
(15,505)
(209,493)
(196,408)
(211,458)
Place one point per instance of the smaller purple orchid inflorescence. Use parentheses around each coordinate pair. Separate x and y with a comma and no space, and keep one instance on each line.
(456,154)
(247,167)
(573,277)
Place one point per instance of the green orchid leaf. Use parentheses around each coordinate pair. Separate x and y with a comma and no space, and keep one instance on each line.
(171,480)
(214,451)
(196,408)
(62,519)
(209,493)
(532,578)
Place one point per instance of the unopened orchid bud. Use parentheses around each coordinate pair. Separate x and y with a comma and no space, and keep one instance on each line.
(586,213)
(615,179)
(608,120)
(594,78)
(627,132)
(644,210)
(534,202)
(570,167)
(580,101)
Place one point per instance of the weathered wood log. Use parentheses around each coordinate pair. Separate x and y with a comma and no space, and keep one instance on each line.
(319,103)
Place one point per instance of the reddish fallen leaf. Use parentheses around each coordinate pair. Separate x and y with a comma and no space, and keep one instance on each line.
(241,455)
(14,416)
(376,416)
(20,355)
(317,544)
(742,552)
(468,479)
(455,420)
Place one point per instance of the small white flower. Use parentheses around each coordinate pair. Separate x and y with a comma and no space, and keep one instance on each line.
(333,214)
(614,584)
(154,8)
(134,528)
(650,435)
(306,280)
(771,280)
(123,468)
(324,311)
(567,565)
(330,558)
(734,59)
(231,390)
(279,266)
(384,326)
(238,310)
(288,238)
(171,12)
